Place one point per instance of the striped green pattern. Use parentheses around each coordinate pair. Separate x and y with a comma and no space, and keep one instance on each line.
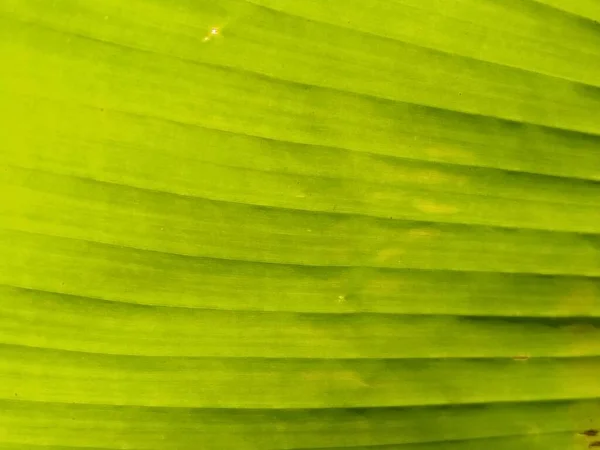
(299,224)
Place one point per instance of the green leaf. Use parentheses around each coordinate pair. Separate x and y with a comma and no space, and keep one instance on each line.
(281,224)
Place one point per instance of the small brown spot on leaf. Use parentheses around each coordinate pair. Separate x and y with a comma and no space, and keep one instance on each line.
(594,444)
(590,432)
(521,358)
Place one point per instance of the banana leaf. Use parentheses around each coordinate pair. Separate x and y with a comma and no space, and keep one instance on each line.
(299,224)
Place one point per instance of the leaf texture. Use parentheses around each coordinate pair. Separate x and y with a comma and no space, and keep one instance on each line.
(278,224)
